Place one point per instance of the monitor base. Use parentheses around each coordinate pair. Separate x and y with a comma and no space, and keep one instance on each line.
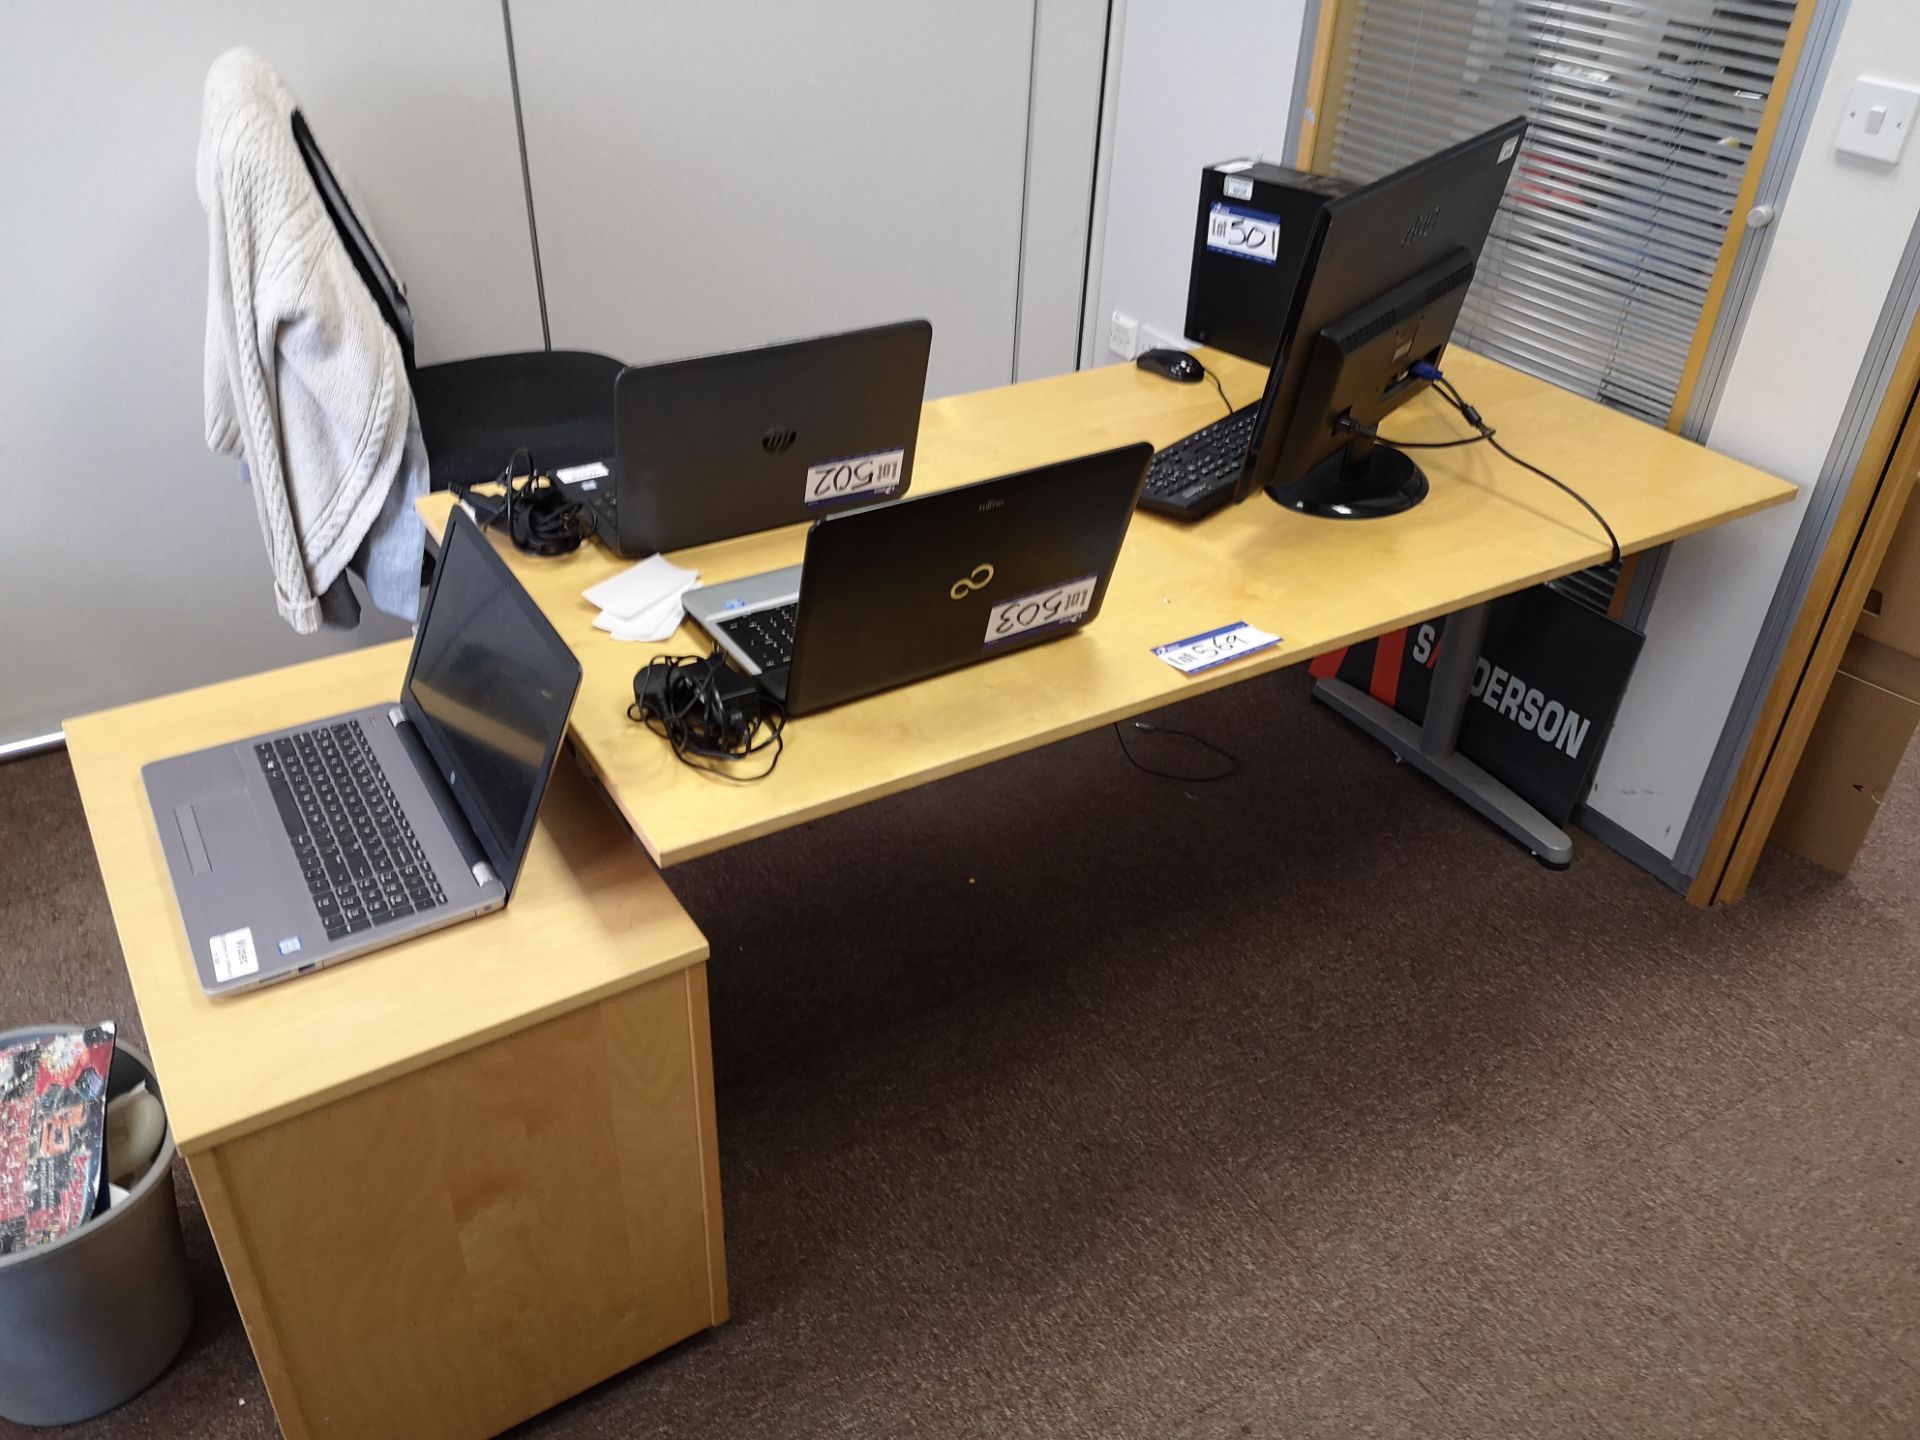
(1356,486)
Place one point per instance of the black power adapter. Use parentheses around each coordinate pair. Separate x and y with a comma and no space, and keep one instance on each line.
(709,713)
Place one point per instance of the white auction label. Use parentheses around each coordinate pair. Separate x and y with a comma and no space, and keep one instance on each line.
(877,474)
(233,954)
(574,474)
(1250,234)
(1216,647)
(1040,609)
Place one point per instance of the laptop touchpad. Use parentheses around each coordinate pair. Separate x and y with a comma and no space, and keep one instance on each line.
(221,832)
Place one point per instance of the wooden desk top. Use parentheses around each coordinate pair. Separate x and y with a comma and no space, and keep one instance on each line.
(589,917)
(1487,528)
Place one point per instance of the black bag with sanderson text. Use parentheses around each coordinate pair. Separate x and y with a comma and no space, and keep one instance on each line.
(1547,685)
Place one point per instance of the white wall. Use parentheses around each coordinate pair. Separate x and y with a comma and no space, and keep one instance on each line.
(707,177)
(1197,84)
(1838,241)
(1062,138)
(130,559)
(715,176)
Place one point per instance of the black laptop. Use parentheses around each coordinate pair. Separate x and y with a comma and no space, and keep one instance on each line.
(725,445)
(894,593)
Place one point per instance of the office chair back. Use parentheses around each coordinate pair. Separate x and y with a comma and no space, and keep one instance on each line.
(367,259)
(474,414)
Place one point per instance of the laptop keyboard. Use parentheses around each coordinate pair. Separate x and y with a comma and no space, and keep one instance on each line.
(765,635)
(363,864)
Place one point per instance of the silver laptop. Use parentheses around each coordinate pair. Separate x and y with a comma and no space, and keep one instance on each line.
(300,848)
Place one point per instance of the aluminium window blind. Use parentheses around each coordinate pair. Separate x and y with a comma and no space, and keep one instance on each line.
(1642,115)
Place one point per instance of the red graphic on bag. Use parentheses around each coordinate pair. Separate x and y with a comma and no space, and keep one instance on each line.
(53,1108)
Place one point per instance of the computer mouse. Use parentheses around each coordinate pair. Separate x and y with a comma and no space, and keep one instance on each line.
(1172,365)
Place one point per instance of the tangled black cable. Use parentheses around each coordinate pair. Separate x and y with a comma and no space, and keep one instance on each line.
(680,699)
(542,518)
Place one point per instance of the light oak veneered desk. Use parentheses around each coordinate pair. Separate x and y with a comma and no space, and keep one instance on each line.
(1487,529)
(458,1180)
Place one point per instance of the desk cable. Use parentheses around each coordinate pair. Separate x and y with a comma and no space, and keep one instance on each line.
(1233,761)
(1444,387)
(1207,370)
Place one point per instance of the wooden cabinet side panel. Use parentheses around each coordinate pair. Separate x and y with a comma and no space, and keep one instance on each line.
(236,1258)
(465,1246)
(698,1026)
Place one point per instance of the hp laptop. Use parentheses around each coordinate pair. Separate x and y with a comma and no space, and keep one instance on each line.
(728,444)
(303,847)
(895,593)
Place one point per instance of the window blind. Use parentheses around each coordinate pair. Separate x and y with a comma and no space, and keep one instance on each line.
(1642,115)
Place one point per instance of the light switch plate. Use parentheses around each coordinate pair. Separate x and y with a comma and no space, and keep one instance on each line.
(1878,117)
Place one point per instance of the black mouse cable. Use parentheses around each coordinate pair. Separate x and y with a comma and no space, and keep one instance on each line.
(1207,371)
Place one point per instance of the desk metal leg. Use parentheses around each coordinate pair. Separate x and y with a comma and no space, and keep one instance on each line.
(1430,746)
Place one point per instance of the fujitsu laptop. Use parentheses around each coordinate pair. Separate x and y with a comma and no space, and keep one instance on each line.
(895,593)
(728,444)
(303,847)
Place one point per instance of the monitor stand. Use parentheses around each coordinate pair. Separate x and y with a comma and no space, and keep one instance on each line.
(1429,747)
(1362,480)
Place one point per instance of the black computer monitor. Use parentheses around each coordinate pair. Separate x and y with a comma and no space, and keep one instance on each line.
(1384,278)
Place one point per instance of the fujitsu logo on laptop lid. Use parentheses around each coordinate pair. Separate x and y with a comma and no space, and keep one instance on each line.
(980,577)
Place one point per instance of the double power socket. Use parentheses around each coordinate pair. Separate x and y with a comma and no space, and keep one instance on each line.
(1127,337)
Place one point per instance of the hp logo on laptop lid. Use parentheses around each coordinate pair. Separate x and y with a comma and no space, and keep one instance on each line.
(780,437)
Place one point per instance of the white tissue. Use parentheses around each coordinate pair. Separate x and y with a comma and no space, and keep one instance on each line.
(656,624)
(641,588)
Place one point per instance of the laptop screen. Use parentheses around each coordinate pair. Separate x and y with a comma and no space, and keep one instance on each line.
(489,689)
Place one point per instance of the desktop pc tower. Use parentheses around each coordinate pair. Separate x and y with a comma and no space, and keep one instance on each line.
(1386,272)
(1349,294)
(1249,246)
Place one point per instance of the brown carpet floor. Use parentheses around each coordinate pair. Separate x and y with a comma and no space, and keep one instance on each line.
(1063,1100)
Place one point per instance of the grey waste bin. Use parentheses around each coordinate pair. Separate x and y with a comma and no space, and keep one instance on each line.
(91,1320)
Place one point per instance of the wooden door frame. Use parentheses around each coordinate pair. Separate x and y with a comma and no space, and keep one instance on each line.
(1875,498)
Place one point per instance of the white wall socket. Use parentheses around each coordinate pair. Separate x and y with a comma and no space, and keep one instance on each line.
(1152,339)
(1123,336)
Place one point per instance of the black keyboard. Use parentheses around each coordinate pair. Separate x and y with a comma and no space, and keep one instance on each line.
(363,864)
(1197,475)
(765,635)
